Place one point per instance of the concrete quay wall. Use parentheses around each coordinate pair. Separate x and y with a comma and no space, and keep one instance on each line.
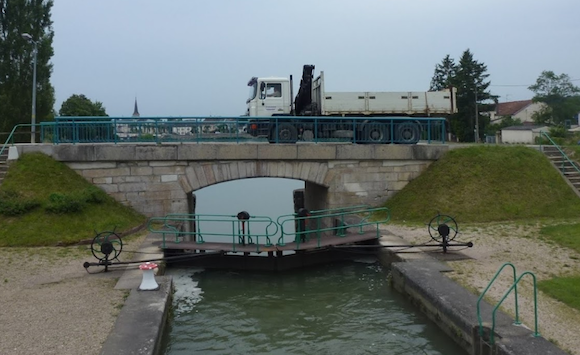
(155,179)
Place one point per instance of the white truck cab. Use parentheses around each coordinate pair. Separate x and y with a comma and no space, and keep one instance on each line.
(269,96)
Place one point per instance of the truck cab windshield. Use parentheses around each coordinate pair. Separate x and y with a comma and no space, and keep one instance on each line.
(253,91)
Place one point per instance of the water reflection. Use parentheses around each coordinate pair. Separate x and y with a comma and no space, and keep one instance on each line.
(346,308)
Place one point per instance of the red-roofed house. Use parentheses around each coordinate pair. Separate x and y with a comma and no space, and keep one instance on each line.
(522,110)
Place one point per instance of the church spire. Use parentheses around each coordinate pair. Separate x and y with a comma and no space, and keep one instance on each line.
(136,110)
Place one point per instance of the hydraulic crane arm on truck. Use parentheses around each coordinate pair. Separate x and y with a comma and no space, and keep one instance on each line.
(376,117)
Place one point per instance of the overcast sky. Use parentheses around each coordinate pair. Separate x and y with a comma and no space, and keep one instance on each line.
(194,58)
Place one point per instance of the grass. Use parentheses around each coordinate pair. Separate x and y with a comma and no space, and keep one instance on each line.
(566,235)
(564,289)
(36,177)
(484,184)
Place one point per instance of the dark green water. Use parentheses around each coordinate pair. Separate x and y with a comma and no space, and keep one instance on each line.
(345,308)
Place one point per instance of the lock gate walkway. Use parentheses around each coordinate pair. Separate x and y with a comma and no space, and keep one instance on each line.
(247,234)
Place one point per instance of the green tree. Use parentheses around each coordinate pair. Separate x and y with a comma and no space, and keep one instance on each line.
(95,130)
(469,77)
(80,105)
(559,96)
(16,61)
(444,74)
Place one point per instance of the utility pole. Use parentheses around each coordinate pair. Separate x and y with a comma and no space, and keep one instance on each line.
(28,37)
(476,118)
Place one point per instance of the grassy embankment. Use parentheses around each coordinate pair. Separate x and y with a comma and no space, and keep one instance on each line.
(496,184)
(45,203)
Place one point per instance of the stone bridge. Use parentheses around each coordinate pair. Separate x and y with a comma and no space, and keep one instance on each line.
(157,179)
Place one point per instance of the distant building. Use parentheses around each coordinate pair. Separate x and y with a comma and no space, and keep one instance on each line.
(522,110)
(136,110)
(525,134)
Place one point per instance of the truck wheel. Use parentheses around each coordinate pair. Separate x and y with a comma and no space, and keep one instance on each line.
(308,135)
(408,133)
(287,133)
(375,133)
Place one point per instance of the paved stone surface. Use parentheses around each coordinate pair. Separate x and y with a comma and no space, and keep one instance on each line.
(139,326)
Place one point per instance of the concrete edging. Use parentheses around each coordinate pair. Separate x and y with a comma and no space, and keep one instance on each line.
(140,325)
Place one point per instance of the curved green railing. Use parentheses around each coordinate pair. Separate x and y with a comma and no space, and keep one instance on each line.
(536,333)
(513,287)
(324,222)
(10,139)
(487,288)
(256,230)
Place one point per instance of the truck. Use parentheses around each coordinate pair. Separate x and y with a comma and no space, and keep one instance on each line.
(360,117)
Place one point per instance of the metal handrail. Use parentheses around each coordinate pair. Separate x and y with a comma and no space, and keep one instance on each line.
(564,155)
(240,229)
(331,210)
(513,287)
(10,139)
(339,230)
(536,333)
(199,129)
(487,288)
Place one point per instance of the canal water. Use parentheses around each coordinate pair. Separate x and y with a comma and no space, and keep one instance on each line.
(341,308)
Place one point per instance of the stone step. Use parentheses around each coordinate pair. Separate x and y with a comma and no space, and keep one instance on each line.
(570,170)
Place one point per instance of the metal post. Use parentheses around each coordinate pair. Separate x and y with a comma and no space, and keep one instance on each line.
(29,38)
(33,127)
(476,118)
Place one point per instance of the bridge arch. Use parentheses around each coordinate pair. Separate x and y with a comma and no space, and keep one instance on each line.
(314,174)
(202,174)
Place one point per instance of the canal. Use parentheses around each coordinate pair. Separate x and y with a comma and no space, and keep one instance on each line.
(342,308)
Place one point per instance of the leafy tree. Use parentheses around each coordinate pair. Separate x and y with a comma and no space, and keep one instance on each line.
(444,74)
(95,130)
(469,77)
(16,61)
(80,105)
(559,96)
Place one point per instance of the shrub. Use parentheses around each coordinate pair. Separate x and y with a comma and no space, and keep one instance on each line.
(14,204)
(62,203)
(72,203)
(93,194)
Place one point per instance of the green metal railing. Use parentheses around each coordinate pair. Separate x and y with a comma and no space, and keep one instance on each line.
(329,222)
(513,287)
(536,333)
(10,138)
(564,155)
(198,129)
(256,230)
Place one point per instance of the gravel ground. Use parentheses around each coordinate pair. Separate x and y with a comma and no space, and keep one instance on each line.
(51,305)
(495,245)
